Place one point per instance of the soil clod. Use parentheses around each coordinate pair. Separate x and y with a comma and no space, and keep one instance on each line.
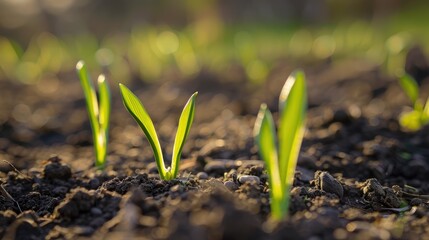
(378,195)
(324,181)
(56,170)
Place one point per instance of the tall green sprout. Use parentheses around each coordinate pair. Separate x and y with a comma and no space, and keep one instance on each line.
(281,158)
(98,111)
(136,109)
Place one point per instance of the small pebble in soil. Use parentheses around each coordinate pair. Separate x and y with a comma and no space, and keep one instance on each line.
(249,179)
(231,185)
(202,175)
(177,188)
(324,181)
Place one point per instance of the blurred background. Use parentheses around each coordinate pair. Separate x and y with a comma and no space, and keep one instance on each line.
(154,40)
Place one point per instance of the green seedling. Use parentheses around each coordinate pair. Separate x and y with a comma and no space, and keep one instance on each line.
(281,158)
(136,109)
(419,116)
(98,111)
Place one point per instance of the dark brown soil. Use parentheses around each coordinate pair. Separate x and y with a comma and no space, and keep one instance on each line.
(359,175)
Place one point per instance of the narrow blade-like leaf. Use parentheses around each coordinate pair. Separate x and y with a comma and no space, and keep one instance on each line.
(265,133)
(103,119)
(136,109)
(293,106)
(410,86)
(185,123)
(105,102)
(90,95)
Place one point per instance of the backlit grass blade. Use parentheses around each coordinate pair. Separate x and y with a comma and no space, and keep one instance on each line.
(90,95)
(293,106)
(410,87)
(136,109)
(105,102)
(185,123)
(265,133)
(103,119)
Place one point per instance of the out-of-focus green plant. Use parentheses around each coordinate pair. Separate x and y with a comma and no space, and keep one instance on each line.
(136,109)
(98,111)
(419,116)
(281,158)
(9,57)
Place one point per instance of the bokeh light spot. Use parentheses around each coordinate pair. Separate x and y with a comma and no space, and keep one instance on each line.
(324,46)
(257,71)
(167,42)
(104,56)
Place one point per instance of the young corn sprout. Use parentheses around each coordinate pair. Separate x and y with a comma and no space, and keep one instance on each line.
(98,111)
(136,109)
(419,116)
(281,158)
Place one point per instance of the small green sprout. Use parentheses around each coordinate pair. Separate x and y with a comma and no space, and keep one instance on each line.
(136,109)
(281,159)
(98,111)
(419,116)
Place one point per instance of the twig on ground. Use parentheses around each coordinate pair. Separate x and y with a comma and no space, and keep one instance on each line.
(7,195)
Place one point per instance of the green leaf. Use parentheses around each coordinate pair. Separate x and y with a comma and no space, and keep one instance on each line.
(264,133)
(411,120)
(410,87)
(136,109)
(90,96)
(293,107)
(185,123)
(105,102)
(103,119)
